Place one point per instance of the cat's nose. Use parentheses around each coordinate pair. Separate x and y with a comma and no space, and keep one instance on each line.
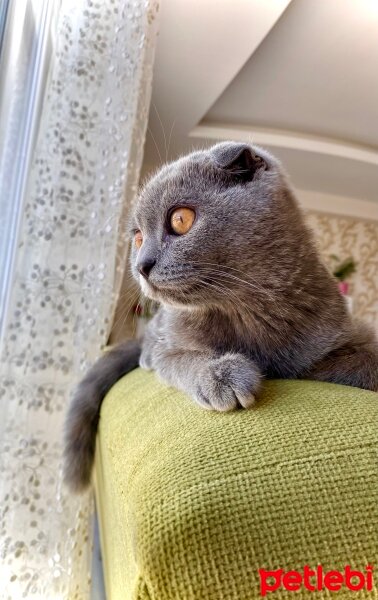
(145,267)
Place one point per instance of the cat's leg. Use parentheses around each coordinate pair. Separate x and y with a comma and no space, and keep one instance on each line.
(355,363)
(215,382)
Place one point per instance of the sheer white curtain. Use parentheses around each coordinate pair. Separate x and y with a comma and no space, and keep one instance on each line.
(61,266)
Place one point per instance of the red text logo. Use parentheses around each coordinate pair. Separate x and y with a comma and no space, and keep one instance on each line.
(316,580)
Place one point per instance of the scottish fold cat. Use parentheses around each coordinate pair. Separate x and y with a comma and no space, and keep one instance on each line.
(220,242)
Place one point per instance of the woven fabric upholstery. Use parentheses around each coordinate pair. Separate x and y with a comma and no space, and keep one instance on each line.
(192,503)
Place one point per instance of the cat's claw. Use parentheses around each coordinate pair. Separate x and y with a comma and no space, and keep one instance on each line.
(228,382)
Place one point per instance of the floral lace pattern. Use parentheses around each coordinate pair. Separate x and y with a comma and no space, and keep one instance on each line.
(67,278)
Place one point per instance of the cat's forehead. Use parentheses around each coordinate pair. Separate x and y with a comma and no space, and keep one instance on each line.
(175,182)
(195,177)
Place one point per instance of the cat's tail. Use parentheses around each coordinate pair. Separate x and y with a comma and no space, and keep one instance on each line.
(84,412)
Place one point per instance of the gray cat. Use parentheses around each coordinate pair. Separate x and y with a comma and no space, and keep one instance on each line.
(220,242)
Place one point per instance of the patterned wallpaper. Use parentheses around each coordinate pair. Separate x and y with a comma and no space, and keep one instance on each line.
(347,236)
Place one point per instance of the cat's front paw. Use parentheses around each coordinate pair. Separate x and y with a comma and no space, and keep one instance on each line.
(228,382)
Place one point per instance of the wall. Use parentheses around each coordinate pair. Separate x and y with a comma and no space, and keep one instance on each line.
(350,236)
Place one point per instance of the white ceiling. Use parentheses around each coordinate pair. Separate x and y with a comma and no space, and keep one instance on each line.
(297,77)
(316,72)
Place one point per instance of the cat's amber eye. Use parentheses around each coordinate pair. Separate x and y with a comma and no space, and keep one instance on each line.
(181,220)
(138,239)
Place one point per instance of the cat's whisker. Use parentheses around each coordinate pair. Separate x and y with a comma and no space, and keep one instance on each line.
(155,143)
(133,299)
(237,303)
(170,136)
(128,293)
(243,281)
(261,315)
(133,322)
(128,283)
(217,266)
(202,262)
(121,319)
(234,299)
(132,307)
(162,128)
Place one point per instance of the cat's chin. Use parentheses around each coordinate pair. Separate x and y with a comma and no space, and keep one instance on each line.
(153,292)
(149,290)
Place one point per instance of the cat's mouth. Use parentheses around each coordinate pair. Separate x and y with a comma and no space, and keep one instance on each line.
(150,290)
(169,292)
(157,291)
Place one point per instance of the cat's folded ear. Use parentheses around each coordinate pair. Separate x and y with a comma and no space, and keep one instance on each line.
(239,160)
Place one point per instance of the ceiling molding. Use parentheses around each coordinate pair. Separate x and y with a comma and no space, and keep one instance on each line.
(286,139)
(337,205)
(309,199)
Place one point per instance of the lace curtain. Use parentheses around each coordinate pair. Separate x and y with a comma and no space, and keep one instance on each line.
(67,271)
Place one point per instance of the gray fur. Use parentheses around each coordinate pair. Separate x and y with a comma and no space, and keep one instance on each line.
(243,295)
(84,411)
